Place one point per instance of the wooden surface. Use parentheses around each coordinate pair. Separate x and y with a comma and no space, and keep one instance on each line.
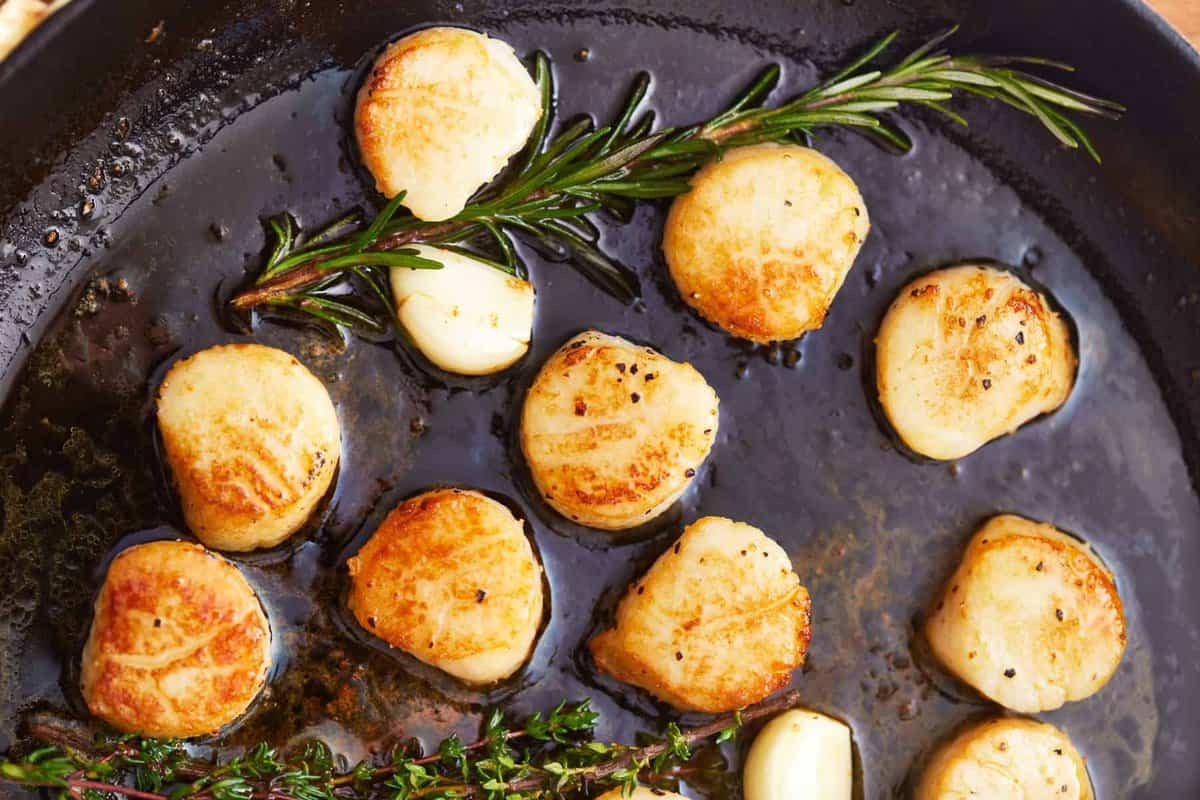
(1183,14)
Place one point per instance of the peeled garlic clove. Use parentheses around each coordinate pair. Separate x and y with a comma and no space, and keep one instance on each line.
(467,317)
(800,755)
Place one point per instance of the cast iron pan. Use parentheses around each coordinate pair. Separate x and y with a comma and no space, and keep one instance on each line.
(180,144)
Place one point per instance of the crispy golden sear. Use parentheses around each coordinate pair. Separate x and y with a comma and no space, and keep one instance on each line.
(613,432)
(440,114)
(968,354)
(764,239)
(718,623)
(1006,759)
(451,578)
(252,440)
(1031,618)
(641,793)
(179,645)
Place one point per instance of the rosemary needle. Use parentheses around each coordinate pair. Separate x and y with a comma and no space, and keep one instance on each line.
(561,179)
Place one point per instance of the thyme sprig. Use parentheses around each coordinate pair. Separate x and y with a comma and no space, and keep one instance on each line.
(550,194)
(543,758)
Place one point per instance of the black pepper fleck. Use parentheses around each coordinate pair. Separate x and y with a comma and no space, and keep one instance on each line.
(1020,337)
(635,397)
(987,383)
(1010,673)
(620,366)
(1058,614)
(480,595)
(689,472)
(678,656)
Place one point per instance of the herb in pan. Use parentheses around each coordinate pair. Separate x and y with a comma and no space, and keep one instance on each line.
(547,198)
(546,757)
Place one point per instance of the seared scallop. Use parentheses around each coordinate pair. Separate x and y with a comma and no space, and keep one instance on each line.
(467,317)
(1006,759)
(252,440)
(764,239)
(613,432)
(641,793)
(451,578)
(800,755)
(719,622)
(440,114)
(967,354)
(179,644)
(1031,618)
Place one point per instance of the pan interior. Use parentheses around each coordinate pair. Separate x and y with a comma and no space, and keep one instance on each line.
(800,454)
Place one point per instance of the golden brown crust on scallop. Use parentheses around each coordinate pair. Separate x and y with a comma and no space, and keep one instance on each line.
(179,645)
(641,793)
(764,239)
(252,440)
(613,433)
(967,354)
(1031,618)
(451,578)
(718,622)
(440,113)
(1006,759)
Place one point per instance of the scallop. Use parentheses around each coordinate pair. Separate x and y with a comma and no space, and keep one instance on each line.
(613,432)
(467,317)
(968,354)
(440,114)
(718,623)
(641,793)
(451,578)
(179,645)
(1006,759)
(800,755)
(1031,618)
(253,443)
(764,239)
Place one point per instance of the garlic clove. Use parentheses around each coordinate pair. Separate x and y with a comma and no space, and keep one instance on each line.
(467,317)
(800,755)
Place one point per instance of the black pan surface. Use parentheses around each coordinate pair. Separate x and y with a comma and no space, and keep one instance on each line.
(181,144)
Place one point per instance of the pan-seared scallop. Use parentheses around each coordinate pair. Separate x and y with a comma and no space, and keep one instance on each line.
(252,440)
(1006,759)
(451,578)
(967,354)
(764,239)
(1031,618)
(719,622)
(613,432)
(467,317)
(179,645)
(440,114)
(641,793)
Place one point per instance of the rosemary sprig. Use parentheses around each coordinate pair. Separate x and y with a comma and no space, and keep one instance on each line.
(561,179)
(557,757)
